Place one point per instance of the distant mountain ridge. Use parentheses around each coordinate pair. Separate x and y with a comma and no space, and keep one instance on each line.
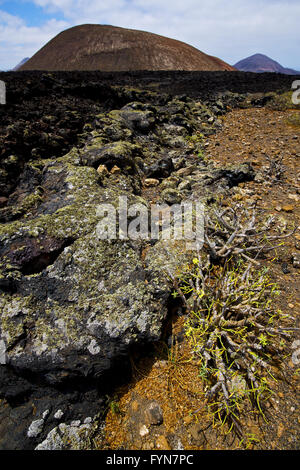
(20,64)
(113,49)
(260,63)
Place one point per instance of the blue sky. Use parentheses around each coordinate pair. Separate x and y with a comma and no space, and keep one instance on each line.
(32,14)
(231,30)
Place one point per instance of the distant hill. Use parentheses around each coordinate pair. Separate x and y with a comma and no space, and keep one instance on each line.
(110,48)
(260,63)
(20,64)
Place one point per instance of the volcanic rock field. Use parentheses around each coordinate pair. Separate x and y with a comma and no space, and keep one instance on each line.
(74,309)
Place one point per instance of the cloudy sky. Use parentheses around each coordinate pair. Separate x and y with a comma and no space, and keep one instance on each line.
(231,29)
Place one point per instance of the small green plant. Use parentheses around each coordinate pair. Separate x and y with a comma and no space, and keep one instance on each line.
(231,330)
(203,372)
(232,324)
(113,405)
(195,138)
(196,141)
(115,408)
(200,155)
(263,340)
(249,440)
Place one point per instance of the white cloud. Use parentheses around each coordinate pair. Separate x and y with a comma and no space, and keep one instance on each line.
(231,30)
(19,40)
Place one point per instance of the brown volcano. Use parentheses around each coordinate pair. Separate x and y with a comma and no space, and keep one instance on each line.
(109,48)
